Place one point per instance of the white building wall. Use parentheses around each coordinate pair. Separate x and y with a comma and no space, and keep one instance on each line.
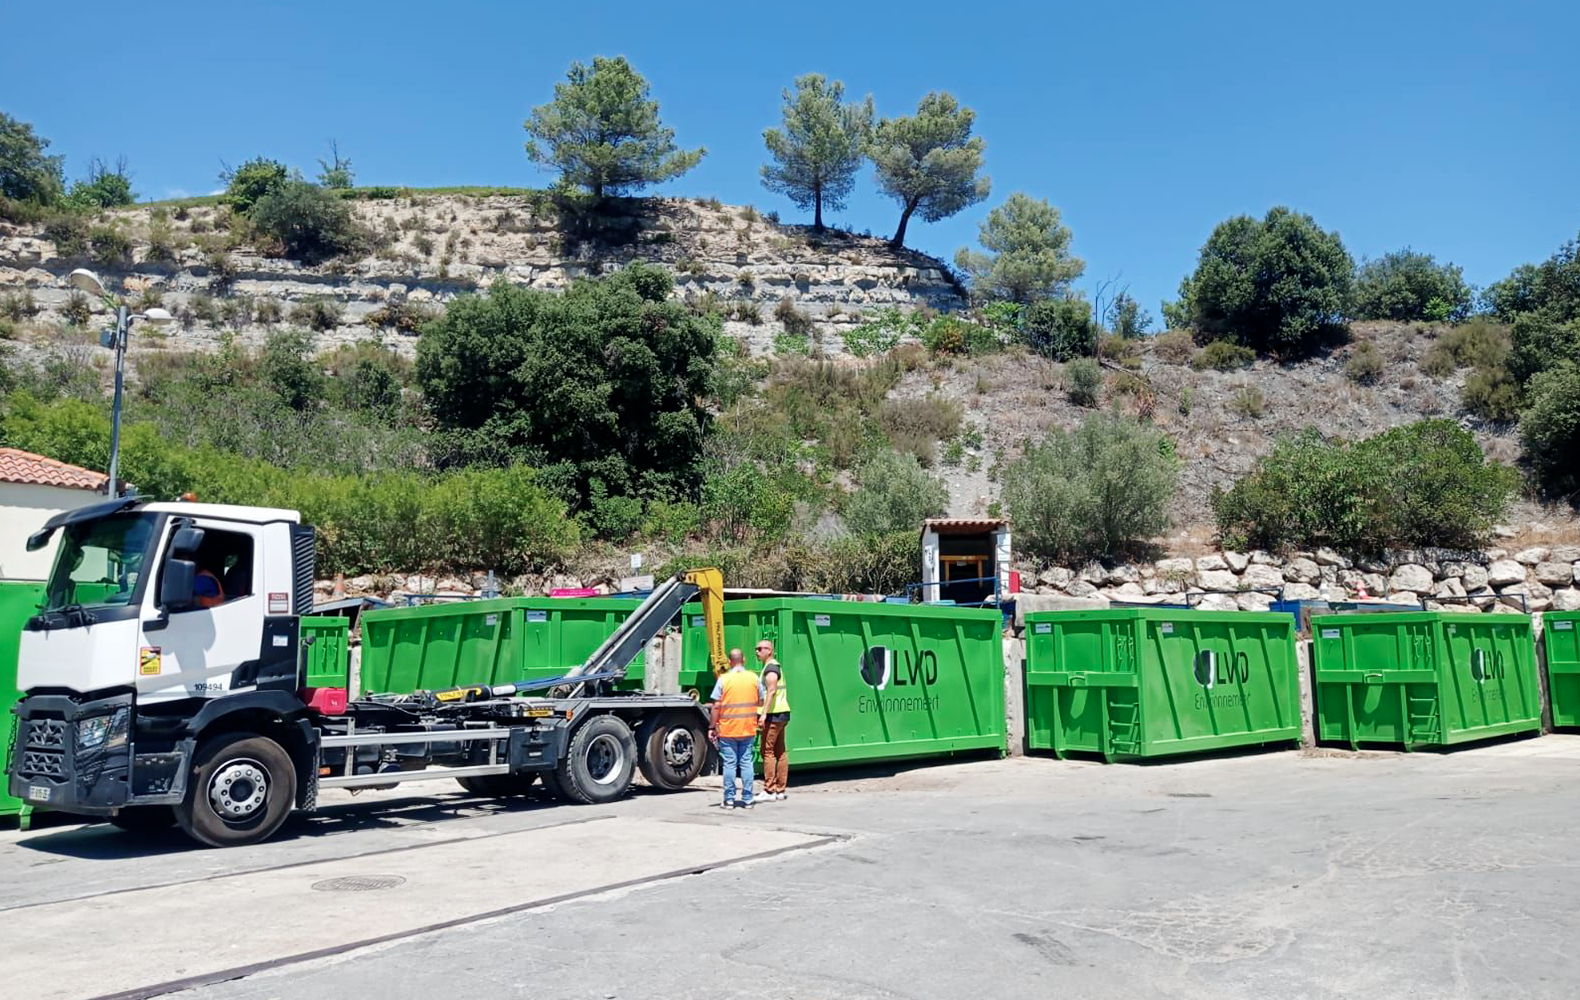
(24,508)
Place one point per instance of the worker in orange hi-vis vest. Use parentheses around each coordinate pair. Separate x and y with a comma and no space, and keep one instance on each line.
(737,697)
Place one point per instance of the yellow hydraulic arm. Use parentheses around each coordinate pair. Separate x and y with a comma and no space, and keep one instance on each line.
(710,589)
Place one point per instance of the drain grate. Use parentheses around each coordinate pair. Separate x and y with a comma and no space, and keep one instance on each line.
(358,883)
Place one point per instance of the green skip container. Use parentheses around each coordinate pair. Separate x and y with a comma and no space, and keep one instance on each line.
(870,681)
(1561,636)
(328,661)
(1133,683)
(19,601)
(1424,678)
(437,646)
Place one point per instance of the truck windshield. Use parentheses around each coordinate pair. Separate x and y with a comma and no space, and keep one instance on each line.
(100,562)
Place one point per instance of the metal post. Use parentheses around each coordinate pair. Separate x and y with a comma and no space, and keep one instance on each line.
(122,322)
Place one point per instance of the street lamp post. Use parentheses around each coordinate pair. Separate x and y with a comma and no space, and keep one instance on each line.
(84,280)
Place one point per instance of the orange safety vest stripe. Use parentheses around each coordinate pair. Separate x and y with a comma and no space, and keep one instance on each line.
(738,706)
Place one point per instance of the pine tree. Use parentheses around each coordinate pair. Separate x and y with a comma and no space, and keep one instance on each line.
(602,131)
(822,145)
(930,163)
(1028,253)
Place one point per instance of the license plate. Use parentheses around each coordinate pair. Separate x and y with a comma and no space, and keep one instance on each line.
(38,793)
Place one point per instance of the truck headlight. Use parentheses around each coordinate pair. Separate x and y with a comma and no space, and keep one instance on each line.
(108,731)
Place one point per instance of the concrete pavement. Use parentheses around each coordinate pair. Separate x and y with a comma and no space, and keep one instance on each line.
(1321,875)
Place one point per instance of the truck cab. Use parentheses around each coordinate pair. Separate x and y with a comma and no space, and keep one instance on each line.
(159,621)
(164,683)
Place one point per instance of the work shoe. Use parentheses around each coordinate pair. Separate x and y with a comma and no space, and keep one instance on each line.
(726,804)
(744,805)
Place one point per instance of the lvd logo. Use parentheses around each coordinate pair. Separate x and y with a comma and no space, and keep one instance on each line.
(1484,667)
(880,667)
(1211,670)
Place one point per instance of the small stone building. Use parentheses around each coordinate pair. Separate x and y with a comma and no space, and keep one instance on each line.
(965,559)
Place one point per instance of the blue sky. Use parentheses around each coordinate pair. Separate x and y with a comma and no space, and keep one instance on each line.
(1450,127)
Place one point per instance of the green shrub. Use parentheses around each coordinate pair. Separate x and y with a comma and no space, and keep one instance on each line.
(915,425)
(1124,351)
(745,501)
(612,518)
(69,232)
(78,309)
(1248,402)
(367,378)
(267,311)
(879,334)
(1539,341)
(27,173)
(1492,393)
(111,247)
(1425,484)
(1061,328)
(102,188)
(286,365)
(1174,346)
(1550,428)
(607,380)
(747,312)
(1365,363)
(1223,356)
(1095,491)
(318,313)
(792,345)
(401,315)
(671,521)
(953,335)
(221,267)
(204,307)
(8,331)
(1083,379)
(308,222)
(17,306)
(249,183)
(1405,285)
(1280,285)
(893,493)
(795,322)
(161,244)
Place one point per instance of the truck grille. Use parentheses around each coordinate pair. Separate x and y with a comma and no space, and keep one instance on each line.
(36,764)
(42,749)
(45,734)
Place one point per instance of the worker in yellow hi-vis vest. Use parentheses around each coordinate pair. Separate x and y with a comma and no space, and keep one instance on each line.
(737,704)
(776,716)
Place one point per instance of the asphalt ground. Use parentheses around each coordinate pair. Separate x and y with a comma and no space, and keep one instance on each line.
(1317,874)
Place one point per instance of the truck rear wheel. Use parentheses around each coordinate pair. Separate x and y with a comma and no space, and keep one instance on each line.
(499,786)
(144,819)
(599,762)
(241,789)
(672,749)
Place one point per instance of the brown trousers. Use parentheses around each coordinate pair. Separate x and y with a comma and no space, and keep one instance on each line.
(776,761)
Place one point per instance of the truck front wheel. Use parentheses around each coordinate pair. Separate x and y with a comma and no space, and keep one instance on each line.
(241,789)
(599,762)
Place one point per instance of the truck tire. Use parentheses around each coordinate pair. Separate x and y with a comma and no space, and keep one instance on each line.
(551,784)
(672,749)
(499,786)
(599,763)
(241,789)
(144,819)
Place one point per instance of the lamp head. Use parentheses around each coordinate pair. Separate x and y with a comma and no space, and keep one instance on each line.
(85,280)
(157,316)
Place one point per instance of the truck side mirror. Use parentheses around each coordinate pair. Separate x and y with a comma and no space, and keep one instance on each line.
(186,542)
(177,583)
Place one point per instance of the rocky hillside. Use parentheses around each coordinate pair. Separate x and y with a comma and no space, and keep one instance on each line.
(437,246)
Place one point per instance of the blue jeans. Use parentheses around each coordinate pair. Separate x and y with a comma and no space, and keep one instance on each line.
(735,752)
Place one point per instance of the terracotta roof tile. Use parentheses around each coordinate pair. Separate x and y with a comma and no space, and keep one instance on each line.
(17,466)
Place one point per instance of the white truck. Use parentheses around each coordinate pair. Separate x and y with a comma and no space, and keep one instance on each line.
(163,682)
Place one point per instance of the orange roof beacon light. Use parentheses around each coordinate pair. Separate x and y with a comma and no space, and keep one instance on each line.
(189,497)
